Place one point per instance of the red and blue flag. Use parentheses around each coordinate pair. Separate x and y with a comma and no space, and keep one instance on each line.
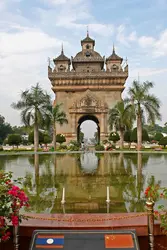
(49,241)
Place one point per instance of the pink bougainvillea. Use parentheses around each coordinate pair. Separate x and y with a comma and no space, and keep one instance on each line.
(12,199)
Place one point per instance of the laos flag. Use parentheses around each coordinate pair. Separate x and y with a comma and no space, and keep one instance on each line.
(49,241)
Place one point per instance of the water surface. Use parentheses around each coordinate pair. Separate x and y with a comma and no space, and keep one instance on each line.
(85,178)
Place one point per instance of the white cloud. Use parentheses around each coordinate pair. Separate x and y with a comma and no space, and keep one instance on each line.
(160,47)
(146,72)
(75,15)
(156,47)
(146,41)
(133,36)
(27,40)
(123,38)
(102,29)
(61,2)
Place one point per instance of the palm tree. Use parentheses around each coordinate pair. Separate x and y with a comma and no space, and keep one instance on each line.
(121,118)
(34,105)
(144,105)
(57,117)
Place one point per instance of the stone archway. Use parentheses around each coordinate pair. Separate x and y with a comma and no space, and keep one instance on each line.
(85,118)
(89,107)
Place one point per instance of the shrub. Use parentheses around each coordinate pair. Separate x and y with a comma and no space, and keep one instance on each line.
(110,147)
(114,136)
(62,147)
(75,143)
(99,147)
(73,147)
(158,136)
(14,139)
(60,138)
(1,148)
(163,141)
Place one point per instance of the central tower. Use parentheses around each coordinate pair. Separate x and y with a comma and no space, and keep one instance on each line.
(86,88)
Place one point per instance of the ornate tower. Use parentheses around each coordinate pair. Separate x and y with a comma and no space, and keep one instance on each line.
(62,63)
(87,89)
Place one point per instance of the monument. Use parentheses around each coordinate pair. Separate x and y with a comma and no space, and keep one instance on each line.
(88,85)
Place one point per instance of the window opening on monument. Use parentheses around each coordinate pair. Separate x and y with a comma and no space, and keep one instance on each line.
(87,54)
(87,46)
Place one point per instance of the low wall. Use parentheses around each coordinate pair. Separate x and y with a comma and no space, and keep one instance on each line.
(135,221)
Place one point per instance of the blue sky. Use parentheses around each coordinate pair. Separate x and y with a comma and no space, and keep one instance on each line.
(33,30)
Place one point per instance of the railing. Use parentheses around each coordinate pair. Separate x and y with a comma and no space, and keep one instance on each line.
(149,213)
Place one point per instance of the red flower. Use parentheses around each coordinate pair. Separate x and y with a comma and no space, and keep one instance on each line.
(6,236)
(15,220)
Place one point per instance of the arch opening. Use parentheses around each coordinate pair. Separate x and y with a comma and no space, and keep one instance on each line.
(89,125)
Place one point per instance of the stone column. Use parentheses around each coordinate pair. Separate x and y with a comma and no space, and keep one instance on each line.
(102,127)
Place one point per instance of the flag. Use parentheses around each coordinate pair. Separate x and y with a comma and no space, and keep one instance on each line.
(49,241)
(119,241)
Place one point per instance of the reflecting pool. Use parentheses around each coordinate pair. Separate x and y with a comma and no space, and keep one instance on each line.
(85,178)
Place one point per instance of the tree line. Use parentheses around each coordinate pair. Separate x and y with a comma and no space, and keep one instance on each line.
(37,111)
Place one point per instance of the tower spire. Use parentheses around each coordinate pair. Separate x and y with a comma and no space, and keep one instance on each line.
(113,51)
(87,31)
(62,50)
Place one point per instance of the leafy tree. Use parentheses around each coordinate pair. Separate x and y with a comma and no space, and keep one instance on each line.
(34,105)
(163,141)
(57,117)
(153,128)
(158,136)
(47,139)
(21,130)
(127,137)
(5,129)
(60,138)
(14,139)
(114,136)
(40,137)
(121,118)
(145,105)
(164,129)
(145,136)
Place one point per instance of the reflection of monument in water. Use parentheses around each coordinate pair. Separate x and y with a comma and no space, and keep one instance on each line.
(89,162)
(85,178)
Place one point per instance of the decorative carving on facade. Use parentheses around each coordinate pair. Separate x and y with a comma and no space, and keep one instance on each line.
(88,103)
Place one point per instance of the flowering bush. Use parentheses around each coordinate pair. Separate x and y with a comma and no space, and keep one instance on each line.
(155,193)
(12,199)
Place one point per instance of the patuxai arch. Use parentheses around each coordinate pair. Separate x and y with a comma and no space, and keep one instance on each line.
(88,85)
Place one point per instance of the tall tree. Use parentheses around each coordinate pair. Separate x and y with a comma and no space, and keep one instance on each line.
(57,117)
(34,105)
(145,105)
(5,129)
(121,118)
